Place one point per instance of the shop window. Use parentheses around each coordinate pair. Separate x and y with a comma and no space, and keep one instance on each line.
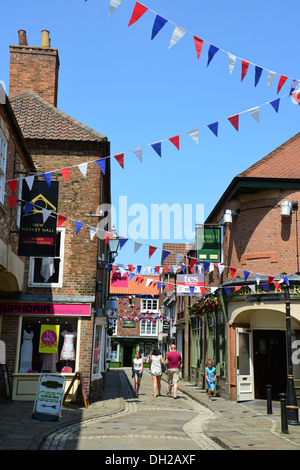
(115,352)
(38,267)
(48,345)
(148,327)
(150,305)
(3,157)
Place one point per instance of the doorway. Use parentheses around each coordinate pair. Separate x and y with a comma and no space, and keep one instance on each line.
(127,355)
(270,366)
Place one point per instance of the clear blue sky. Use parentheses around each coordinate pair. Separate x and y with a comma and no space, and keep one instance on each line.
(114,79)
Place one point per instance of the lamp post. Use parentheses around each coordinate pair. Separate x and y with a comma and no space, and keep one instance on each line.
(291,398)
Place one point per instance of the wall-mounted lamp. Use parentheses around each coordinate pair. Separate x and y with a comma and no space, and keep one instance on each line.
(227,218)
(286,207)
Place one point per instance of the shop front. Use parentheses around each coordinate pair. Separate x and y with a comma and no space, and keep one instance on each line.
(43,337)
(123,351)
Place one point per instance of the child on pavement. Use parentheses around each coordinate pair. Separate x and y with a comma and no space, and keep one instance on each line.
(210,376)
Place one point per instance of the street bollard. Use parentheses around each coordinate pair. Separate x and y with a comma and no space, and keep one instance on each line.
(284,421)
(269,399)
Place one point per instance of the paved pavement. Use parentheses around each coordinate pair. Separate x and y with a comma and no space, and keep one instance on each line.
(216,424)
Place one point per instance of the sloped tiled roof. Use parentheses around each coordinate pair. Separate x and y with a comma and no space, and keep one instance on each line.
(283,162)
(136,288)
(38,119)
(175,248)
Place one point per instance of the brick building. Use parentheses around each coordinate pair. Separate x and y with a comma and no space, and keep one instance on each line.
(137,321)
(260,256)
(69,298)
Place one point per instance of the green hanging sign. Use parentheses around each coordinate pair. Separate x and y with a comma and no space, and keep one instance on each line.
(208,243)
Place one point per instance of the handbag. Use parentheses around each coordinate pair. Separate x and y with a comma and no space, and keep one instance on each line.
(163,368)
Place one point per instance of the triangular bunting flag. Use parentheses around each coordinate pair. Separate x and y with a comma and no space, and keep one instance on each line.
(245,66)
(211,52)
(198,45)
(232,61)
(246,274)
(12,201)
(270,279)
(46,215)
(206,265)
(138,269)
(266,287)
(271,77)
(281,82)
(137,13)
(258,72)
(237,288)
(78,226)
(157,147)
(191,290)
(286,280)
(175,141)
(255,113)
(159,23)
(220,268)
(252,287)
(275,104)
(83,167)
(122,242)
(179,258)
(202,289)
(276,284)
(48,177)
(193,261)
(60,220)
(159,283)
(194,134)
(108,236)
(139,153)
(65,173)
(28,207)
(13,185)
(234,120)
(165,254)
(232,272)
(166,268)
(169,286)
(93,231)
(113,5)
(101,162)
(258,278)
(120,159)
(29,180)
(114,268)
(137,246)
(151,250)
(214,128)
(227,290)
(178,33)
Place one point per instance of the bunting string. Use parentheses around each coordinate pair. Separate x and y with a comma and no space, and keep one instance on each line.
(156,146)
(178,33)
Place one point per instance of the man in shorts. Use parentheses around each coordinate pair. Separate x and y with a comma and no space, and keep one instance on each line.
(173,362)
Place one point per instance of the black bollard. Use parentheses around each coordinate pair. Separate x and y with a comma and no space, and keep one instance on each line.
(284,421)
(269,399)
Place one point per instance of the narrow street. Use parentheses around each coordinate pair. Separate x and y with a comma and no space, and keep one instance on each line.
(147,423)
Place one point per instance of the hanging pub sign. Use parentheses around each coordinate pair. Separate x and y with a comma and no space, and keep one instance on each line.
(208,242)
(37,233)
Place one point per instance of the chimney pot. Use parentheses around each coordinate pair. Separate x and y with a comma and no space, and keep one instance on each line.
(45,42)
(22,38)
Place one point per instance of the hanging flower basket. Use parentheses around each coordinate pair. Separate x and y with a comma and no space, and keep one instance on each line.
(110,331)
(205,306)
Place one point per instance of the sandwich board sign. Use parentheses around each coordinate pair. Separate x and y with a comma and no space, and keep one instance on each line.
(49,397)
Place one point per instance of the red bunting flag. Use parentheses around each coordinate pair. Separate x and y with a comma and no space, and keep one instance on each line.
(270,279)
(166,268)
(138,11)
(192,262)
(276,284)
(281,82)
(157,269)
(203,289)
(237,288)
(245,66)
(151,250)
(175,141)
(198,45)
(120,159)
(65,173)
(60,220)
(130,267)
(114,270)
(170,285)
(12,185)
(108,236)
(234,120)
(12,201)
(232,272)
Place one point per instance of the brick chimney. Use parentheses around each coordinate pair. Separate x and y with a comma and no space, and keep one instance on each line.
(34,68)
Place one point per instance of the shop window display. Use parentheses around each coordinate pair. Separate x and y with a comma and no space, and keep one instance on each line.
(48,345)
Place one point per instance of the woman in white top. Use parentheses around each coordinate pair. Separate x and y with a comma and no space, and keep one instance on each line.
(156,371)
(137,371)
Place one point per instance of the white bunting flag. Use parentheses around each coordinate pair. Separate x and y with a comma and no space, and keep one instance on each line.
(194,135)
(46,214)
(178,259)
(113,5)
(148,281)
(139,153)
(252,287)
(271,77)
(220,268)
(178,33)
(258,278)
(83,167)
(232,61)
(137,246)
(93,231)
(255,113)
(29,181)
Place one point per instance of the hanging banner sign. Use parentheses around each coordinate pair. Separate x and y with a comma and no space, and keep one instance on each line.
(49,338)
(37,233)
(19,308)
(208,241)
(49,397)
(189,284)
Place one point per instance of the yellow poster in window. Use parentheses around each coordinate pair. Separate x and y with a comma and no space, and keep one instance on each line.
(49,338)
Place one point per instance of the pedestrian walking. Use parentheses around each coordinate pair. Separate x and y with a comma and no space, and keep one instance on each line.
(156,361)
(210,376)
(173,362)
(137,371)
